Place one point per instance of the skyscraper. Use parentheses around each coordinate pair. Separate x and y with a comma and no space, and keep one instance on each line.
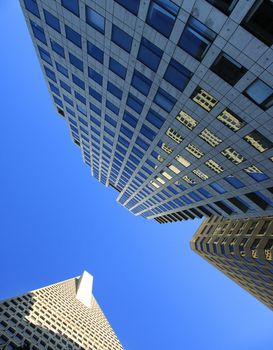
(170,102)
(64,315)
(242,249)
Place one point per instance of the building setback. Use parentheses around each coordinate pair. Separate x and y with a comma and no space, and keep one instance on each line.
(242,249)
(169,102)
(64,315)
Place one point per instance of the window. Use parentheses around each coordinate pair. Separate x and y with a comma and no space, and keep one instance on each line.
(121,38)
(196,38)
(183,161)
(225,6)
(233,155)
(31,6)
(117,68)
(231,120)
(210,137)
(155,119)
(130,5)
(258,141)
(162,15)
(52,21)
(204,192)
(65,86)
(217,187)
(73,36)
(130,119)
(38,32)
(94,19)
(45,55)
(97,96)
(256,173)
(174,135)
(200,174)
(78,81)
(95,76)
(259,21)
(95,52)
(54,89)
(76,61)
(185,119)
(166,148)
(57,48)
(114,90)
(218,169)
(72,5)
(177,75)
(204,99)
(260,93)
(174,169)
(141,83)
(164,100)
(228,69)
(50,74)
(234,181)
(112,107)
(149,54)
(149,133)
(63,70)
(194,150)
(134,103)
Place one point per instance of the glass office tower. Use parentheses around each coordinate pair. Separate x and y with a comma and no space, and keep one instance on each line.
(169,102)
(64,315)
(242,249)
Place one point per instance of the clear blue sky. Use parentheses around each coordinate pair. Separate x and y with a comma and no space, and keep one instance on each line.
(56,221)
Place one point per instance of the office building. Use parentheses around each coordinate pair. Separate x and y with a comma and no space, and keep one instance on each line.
(242,249)
(64,315)
(169,102)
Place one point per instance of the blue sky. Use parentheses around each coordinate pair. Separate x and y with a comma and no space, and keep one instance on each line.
(57,221)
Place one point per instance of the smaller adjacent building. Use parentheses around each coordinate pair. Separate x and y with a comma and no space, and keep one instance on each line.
(64,315)
(242,249)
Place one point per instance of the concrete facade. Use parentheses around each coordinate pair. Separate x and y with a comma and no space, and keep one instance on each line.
(242,249)
(56,317)
(172,122)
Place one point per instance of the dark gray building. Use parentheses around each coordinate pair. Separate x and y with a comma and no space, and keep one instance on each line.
(169,102)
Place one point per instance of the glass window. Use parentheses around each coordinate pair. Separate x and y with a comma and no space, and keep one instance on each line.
(95,109)
(80,97)
(228,69)
(114,90)
(73,36)
(94,19)
(50,74)
(142,143)
(164,100)
(162,15)
(149,54)
(225,6)
(260,93)
(54,89)
(149,133)
(259,21)
(196,38)
(121,38)
(117,68)
(258,141)
(57,48)
(130,119)
(38,32)
(78,81)
(62,69)
(95,76)
(72,5)
(52,21)
(68,100)
(155,119)
(126,131)
(256,173)
(65,86)
(45,55)
(134,103)
(204,99)
(177,75)
(58,101)
(110,120)
(204,192)
(95,52)
(130,5)
(95,94)
(76,61)
(141,83)
(31,6)
(234,181)
(217,187)
(112,107)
